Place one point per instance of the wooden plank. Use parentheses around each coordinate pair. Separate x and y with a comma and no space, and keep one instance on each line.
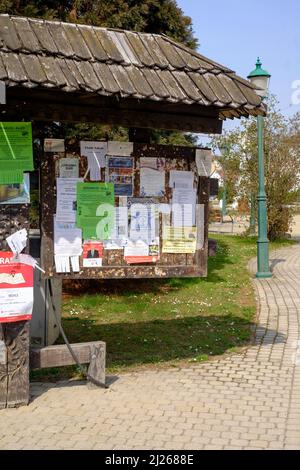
(160,270)
(59,355)
(96,370)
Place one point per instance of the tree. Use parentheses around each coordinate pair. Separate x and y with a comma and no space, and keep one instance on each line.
(151,16)
(282,164)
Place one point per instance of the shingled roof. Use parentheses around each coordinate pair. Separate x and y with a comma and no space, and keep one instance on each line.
(76,58)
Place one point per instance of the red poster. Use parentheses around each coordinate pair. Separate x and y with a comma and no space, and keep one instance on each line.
(92,254)
(16,289)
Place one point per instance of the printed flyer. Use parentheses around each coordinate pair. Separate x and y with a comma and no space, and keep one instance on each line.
(120,171)
(92,254)
(16,289)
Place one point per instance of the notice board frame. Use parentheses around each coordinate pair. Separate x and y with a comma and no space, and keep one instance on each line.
(169,265)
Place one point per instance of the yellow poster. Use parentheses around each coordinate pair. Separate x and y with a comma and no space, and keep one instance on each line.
(179,239)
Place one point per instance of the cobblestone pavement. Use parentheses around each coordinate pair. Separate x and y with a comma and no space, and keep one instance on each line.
(243,401)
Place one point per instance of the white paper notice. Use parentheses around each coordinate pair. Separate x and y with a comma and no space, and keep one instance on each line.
(54,145)
(181,179)
(69,168)
(120,149)
(152,176)
(67,239)
(203,162)
(119,233)
(152,182)
(92,262)
(16,299)
(184,208)
(95,153)
(138,248)
(62,264)
(120,230)
(142,224)
(17,241)
(66,199)
(183,215)
(75,263)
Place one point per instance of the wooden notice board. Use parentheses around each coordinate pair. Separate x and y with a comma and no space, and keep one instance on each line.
(114,264)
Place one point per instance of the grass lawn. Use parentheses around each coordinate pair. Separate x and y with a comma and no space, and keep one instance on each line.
(169,322)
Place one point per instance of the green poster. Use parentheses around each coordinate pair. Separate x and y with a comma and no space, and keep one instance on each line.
(95,210)
(16,154)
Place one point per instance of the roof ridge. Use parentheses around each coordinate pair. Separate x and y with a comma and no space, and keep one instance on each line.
(83,25)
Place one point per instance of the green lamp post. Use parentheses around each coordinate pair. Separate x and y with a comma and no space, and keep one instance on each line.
(252,215)
(260,78)
(223,149)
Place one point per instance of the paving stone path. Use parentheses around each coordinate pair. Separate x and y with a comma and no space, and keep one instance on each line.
(243,401)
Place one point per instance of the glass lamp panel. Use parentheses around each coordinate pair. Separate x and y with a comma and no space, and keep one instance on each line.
(260,82)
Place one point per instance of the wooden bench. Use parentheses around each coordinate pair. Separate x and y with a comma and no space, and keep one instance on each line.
(92,353)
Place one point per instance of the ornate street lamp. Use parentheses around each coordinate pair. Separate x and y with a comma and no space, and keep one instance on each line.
(260,79)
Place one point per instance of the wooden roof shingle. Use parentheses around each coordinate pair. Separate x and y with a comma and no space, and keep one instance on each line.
(75,57)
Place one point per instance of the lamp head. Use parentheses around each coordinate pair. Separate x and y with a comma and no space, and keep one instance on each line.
(260,78)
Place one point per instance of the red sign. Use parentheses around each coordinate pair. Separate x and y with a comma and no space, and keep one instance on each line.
(92,254)
(16,289)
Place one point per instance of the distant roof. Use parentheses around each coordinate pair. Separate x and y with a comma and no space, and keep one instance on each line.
(76,57)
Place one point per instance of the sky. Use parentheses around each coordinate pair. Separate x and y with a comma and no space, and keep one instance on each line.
(235,32)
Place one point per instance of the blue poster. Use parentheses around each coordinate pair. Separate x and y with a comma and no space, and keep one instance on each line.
(120,172)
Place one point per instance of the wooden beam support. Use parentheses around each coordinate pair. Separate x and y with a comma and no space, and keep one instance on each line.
(96,368)
(59,355)
(129,113)
(127,118)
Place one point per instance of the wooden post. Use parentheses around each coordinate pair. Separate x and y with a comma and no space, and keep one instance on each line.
(96,368)
(14,337)
(203,198)
(3,369)
(17,343)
